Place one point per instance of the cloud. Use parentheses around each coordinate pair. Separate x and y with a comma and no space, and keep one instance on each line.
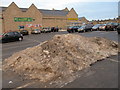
(49,3)
(78,5)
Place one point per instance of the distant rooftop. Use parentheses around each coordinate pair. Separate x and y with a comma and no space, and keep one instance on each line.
(45,11)
(53,12)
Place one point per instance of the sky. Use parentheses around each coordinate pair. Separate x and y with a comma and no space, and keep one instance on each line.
(91,9)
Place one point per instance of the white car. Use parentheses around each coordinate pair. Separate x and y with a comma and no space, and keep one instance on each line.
(46,29)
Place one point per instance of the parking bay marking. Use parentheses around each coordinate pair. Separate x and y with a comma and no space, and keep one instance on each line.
(34,40)
(19,46)
(17,43)
(114,60)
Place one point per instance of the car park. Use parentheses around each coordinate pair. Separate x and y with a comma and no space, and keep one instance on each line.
(96,27)
(36,31)
(54,29)
(118,29)
(11,36)
(72,29)
(46,30)
(24,32)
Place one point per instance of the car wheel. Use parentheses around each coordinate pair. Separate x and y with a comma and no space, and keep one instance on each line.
(20,39)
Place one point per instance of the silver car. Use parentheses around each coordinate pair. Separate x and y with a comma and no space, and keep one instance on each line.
(82,29)
(36,31)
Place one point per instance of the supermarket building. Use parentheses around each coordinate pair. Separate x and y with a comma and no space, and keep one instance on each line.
(15,18)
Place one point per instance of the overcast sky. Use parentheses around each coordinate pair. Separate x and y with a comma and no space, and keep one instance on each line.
(91,9)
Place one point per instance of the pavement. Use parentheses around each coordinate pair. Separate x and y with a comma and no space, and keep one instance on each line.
(103,74)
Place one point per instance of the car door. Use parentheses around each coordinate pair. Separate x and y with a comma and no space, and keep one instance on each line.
(9,37)
(16,36)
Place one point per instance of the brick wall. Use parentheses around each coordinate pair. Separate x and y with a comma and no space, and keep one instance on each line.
(32,12)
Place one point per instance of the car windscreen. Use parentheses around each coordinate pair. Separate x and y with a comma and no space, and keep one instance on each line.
(82,27)
(109,23)
(46,28)
(36,29)
(89,26)
(9,34)
(103,25)
(70,27)
(24,31)
(96,25)
(16,33)
(115,24)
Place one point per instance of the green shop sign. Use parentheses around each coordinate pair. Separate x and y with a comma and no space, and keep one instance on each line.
(19,19)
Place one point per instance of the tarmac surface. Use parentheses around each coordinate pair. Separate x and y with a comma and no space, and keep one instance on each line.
(103,74)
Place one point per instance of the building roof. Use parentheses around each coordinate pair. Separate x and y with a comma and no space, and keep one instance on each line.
(81,18)
(3,8)
(53,12)
(45,12)
(24,9)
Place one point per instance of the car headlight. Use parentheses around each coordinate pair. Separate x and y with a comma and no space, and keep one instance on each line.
(21,34)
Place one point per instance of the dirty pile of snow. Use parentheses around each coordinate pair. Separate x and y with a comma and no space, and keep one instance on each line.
(60,56)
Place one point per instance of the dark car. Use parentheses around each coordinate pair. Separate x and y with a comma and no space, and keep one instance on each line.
(72,29)
(88,27)
(118,29)
(69,29)
(24,32)
(96,27)
(111,26)
(54,29)
(11,36)
(85,28)
(36,31)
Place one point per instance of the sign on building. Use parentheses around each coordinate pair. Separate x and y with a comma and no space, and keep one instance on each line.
(23,19)
(72,18)
(33,25)
(21,27)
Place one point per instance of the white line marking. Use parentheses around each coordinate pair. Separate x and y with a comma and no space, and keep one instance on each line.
(113,60)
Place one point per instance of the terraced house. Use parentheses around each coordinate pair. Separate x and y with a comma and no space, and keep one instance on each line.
(15,18)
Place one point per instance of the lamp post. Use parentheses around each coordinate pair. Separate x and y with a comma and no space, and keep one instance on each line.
(2,20)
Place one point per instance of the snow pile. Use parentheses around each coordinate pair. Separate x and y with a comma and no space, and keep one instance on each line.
(60,56)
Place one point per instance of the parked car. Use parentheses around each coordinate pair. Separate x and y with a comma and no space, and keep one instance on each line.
(72,29)
(69,29)
(85,28)
(36,31)
(82,29)
(11,36)
(102,27)
(46,30)
(24,32)
(111,26)
(96,27)
(54,29)
(88,27)
(118,29)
